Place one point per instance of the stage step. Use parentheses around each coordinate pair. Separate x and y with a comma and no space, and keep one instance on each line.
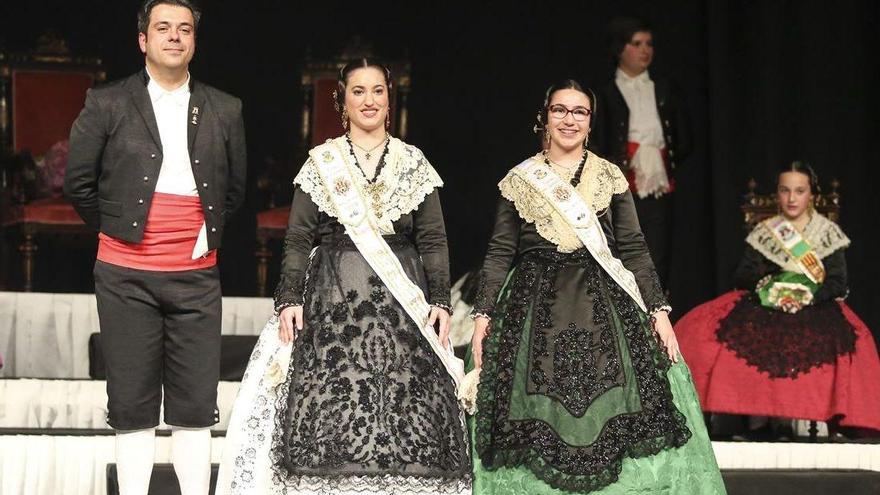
(78,462)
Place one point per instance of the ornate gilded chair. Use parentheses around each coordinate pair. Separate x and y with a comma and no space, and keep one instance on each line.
(41,94)
(319,121)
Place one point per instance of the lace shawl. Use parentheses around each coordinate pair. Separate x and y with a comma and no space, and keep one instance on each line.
(824,236)
(600,181)
(401,186)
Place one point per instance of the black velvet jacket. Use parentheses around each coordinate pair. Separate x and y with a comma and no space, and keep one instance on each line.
(610,132)
(513,237)
(753,266)
(307,227)
(116,154)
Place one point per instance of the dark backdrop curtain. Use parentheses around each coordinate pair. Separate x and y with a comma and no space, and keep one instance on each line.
(796,80)
(766,82)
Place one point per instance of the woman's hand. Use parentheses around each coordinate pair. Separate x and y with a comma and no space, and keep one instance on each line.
(291,322)
(438,313)
(481,329)
(665,334)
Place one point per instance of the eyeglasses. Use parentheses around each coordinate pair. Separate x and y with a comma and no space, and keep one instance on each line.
(579,114)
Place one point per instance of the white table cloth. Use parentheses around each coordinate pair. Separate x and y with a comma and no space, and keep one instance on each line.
(31,403)
(45,335)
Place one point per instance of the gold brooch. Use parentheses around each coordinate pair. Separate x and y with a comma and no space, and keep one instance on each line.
(540,173)
(561,193)
(341,186)
(328,157)
(376,190)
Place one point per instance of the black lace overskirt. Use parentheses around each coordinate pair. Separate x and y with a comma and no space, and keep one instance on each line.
(578,312)
(367,394)
(785,345)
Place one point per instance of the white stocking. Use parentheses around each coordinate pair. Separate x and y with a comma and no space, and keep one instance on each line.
(191,456)
(135,451)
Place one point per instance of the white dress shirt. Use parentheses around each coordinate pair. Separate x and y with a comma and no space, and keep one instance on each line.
(645,129)
(175,176)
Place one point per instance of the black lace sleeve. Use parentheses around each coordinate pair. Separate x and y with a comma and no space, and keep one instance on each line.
(430,238)
(752,267)
(499,256)
(633,251)
(835,284)
(302,226)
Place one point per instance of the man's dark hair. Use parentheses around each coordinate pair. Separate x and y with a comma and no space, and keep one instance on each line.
(147,8)
(621,31)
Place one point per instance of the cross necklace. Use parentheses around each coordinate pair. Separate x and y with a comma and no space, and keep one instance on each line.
(368,152)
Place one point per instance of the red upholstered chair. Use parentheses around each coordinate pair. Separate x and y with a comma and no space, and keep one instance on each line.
(41,94)
(319,122)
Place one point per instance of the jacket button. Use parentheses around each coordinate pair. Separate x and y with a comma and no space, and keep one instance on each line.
(134,224)
(666,122)
(140,201)
(213,229)
(196,161)
(671,153)
(205,185)
(146,178)
(152,155)
(210,207)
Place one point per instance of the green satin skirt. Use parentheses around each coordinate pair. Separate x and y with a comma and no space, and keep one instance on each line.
(689,469)
(616,389)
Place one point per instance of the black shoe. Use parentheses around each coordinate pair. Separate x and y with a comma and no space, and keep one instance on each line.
(762,434)
(783,433)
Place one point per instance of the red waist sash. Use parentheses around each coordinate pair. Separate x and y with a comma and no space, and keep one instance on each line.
(631,174)
(170,235)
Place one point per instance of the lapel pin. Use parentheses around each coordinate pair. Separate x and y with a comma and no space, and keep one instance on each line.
(195,116)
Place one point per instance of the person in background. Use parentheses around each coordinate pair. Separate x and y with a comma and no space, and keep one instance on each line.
(784,344)
(643,126)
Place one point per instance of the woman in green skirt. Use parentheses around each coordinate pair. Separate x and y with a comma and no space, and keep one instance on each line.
(581,385)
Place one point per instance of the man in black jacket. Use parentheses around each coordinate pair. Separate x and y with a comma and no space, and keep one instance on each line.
(643,126)
(157,164)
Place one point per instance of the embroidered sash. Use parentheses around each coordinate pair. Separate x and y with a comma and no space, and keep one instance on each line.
(797,248)
(353,213)
(572,207)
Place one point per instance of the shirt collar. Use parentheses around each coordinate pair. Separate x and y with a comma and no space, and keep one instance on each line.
(179,95)
(625,78)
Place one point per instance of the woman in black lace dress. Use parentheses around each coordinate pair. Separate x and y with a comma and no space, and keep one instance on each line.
(363,404)
(581,385)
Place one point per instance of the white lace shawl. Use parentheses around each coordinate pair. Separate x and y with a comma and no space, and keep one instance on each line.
(600,181)
(407,178)
(822,234)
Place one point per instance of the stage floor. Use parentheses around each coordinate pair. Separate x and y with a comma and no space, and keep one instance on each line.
(73,462)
